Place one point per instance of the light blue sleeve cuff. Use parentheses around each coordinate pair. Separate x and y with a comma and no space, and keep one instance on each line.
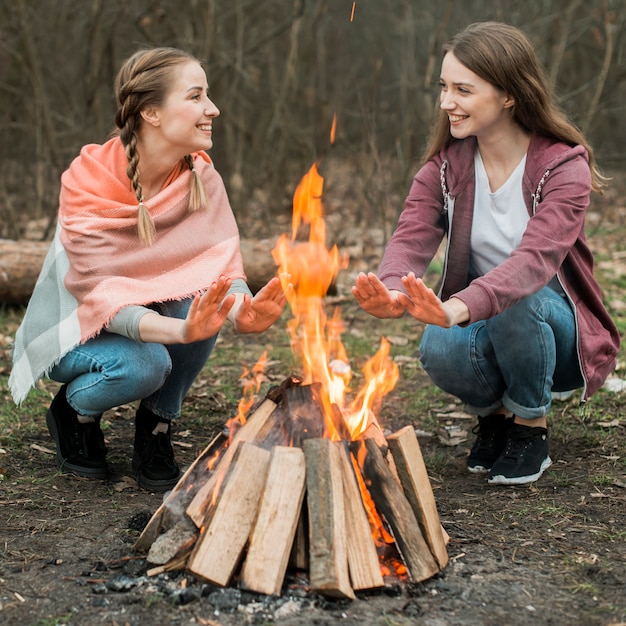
(239,285)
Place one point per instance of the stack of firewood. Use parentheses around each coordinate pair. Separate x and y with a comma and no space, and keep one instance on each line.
(279,494)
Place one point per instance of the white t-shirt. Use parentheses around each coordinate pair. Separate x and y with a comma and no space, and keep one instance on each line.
(500,218)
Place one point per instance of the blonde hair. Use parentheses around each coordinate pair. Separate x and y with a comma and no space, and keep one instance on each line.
(143,81)
(502,55)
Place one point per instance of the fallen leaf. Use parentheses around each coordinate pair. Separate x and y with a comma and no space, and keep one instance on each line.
(126,483)
(34,446)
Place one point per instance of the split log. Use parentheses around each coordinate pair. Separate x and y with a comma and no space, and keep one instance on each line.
(248,432)
(396,509)
(21,262)
(228,523)
(363,563)
(172,501)
(275,527)
(414,478)
(328,558)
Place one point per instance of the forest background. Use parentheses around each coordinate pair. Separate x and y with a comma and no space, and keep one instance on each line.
(280,70)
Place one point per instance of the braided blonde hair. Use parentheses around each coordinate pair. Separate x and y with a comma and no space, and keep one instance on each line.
(141,82)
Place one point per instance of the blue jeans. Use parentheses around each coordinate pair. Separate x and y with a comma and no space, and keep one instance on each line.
(110,370)
(514,359)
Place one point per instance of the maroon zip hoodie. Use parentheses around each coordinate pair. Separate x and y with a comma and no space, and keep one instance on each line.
(556,187)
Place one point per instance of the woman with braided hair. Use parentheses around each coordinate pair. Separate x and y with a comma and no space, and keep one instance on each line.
(144,270)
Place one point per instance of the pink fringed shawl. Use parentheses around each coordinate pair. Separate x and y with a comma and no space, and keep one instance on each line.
(97,265)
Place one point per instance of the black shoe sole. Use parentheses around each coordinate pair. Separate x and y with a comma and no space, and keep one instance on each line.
(160,486)
(66,466)
(499,479)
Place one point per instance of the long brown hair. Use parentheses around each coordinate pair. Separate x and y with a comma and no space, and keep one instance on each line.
(143,81)
(502,55)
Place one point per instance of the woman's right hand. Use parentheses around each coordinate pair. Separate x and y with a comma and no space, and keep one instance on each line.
(208,312)
(375,298)
(205,317)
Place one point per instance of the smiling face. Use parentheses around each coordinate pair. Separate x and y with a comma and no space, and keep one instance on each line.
(185,119)
(474,106)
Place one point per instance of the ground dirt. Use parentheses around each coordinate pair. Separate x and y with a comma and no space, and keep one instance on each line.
(550,553)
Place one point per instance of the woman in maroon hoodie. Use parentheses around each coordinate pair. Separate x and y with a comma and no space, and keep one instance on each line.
(506,179)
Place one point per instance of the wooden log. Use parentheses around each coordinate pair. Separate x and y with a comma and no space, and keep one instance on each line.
(374,432)
(158,521)
(328,557)
(174,542)
(363,563)
(20,264)
(305,412)
(248,432)
(275,527)
(228,523)
(414,478)
(396,509)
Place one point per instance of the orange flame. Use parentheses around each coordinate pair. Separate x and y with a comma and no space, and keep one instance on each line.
(315,339)
(381,375)
(252,381)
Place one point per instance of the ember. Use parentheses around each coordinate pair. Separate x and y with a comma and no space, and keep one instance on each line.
(306,478)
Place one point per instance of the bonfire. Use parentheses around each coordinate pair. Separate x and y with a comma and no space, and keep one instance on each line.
(305,478)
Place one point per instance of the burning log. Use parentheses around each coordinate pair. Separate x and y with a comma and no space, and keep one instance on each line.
(362,555)
(414,478)
(248,432)
(305,412)
(254,512)
(393,504)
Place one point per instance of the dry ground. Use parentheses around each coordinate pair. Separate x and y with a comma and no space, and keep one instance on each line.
(550,553)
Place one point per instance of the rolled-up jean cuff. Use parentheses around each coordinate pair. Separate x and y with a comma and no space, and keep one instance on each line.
(482,411)
(524,411)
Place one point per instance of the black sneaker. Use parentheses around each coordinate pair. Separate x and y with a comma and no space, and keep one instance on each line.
(525,457)
(491,433)
(153,456)
(80,447)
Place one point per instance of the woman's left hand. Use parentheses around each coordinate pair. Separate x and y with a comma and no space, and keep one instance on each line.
(258,313)
(424,305)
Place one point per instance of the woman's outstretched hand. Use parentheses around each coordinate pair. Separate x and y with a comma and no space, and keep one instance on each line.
(375,298)
(205,317)
(257,314)
(424,305)
(208,312)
